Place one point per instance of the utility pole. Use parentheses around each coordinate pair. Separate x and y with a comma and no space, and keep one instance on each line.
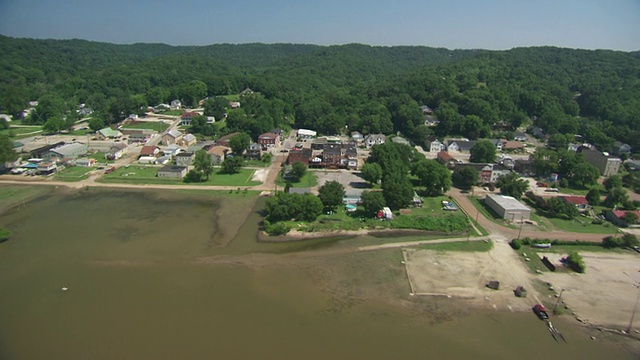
(633,313)
(558,302)
(521,223)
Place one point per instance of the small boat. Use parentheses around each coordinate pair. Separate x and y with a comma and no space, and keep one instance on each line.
(542,246)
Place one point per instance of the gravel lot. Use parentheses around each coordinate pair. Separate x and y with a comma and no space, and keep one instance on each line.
(465,275)
(606,293)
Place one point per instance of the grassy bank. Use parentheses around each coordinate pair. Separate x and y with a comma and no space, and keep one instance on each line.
(465,246)
(74,173)
(140,174)
(13,195)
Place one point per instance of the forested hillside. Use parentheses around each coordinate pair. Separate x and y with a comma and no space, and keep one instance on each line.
(331,88)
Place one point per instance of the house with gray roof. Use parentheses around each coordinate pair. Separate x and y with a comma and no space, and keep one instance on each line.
(66,151)
(116,151)
(172,172)
(374,139)
(432,144)
(519,136)
(171,137)
(400,140)
(460,145)
(185,158)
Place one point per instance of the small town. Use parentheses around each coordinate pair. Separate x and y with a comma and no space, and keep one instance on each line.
(227,187)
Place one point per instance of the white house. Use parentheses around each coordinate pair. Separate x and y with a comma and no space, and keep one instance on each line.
(374,139)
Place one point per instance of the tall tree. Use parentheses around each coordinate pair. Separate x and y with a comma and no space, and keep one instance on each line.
(371,172)
(239,142)
(372,201)
(298,169)
(397,190)
(332,194)
(483,151)
(434,176)
(465,178)
(512,185)
(232,165)
(7,153)
(202,163)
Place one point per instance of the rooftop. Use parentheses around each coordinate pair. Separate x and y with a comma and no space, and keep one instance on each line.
(508,202)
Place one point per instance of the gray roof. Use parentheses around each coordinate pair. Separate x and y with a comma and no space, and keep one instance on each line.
(174,133)
(301,191)
(70,149)
(172,168)
(189,137)
(508,202)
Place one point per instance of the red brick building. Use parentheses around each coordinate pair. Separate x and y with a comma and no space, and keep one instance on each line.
(268,140)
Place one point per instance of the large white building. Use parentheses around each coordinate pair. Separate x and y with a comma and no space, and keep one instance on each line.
(508,207)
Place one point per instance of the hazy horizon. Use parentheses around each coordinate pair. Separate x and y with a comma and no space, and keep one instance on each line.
(457,24)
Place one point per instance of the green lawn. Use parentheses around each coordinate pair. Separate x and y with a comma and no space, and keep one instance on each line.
(583,225)
(99,157)
(159,126)
(341,220)
(21,132)
(467,246)
(308,180)
(81,132)
(171,112)
(256,163)
(140,174)
(74,173)
(11,195)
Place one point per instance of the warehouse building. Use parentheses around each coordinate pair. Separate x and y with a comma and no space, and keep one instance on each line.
(508,207)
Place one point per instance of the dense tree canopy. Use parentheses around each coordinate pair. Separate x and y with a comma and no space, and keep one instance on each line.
(331,194)
(465,178)
(512,185)
(434,176)
(483,152)
(335,88)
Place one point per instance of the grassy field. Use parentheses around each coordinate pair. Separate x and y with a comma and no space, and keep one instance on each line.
(99,157)
(342,220)
(583,225)
(171,112)
(467,246)
(138,174)
(308,180)
(11,195)
(159,126)
(74,173)
(21,132)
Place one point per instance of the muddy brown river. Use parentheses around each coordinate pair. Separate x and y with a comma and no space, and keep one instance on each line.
(160,275)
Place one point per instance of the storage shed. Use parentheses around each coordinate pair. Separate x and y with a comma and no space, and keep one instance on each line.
(508,207)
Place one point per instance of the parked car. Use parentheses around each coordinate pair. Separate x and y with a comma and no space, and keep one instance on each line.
(541,312)
(541,184)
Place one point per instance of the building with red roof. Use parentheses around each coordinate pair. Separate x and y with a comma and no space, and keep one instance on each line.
(579,201)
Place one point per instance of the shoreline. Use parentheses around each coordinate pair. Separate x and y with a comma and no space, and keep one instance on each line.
(296,235)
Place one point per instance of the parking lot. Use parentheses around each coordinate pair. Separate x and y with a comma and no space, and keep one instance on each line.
(348,178)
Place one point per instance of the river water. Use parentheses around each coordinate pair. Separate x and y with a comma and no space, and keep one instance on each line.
(139,289)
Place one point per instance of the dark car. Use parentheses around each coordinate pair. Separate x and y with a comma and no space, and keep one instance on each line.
(541,312)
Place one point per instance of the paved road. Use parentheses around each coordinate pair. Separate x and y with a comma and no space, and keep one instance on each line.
(494,228)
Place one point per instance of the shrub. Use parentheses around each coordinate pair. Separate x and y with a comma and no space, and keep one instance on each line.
(276,229)
(516,244)
(4,234)
(575,262)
